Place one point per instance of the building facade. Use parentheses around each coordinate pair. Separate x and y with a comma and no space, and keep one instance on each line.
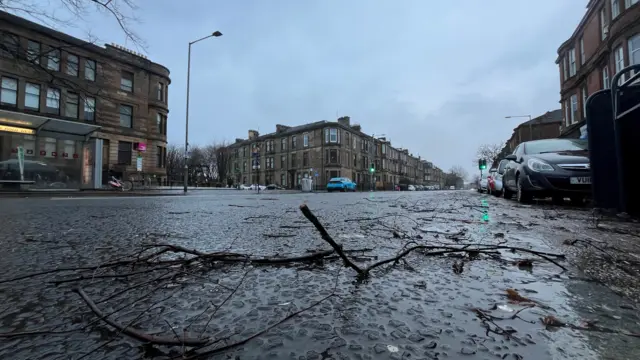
(545,126)
(606,41)
(321,150)
(73,113)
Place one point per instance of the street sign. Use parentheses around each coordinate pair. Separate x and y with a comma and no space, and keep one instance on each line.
(139,163)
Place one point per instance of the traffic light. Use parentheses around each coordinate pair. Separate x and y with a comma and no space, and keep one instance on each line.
(482,164)
(372,168)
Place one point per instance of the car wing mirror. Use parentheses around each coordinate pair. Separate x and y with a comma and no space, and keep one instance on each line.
(511,157)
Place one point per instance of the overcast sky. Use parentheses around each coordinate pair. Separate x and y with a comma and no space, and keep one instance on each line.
(437,77)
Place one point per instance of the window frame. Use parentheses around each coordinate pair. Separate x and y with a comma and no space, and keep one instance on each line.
(27,95)
(14,45)
(70,69)
(615,9)
(92,70)
(603,24)
(618,59)
(606,81)
(582,56)
(14,91)
(572,62)
(585,96)
(121,113)
(86,106)
(123,81)
(53,60)
(160,92)
(129,150)
(68,101)
(31,57)
(574,108)
(50,110)
(305,140)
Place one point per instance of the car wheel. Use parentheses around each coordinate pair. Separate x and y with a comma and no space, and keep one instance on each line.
(522,195)
(497,193)
(506,193)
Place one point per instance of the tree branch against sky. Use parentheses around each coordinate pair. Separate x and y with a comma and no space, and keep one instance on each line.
(488,152)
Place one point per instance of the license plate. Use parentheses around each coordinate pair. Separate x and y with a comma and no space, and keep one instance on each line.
(583,180)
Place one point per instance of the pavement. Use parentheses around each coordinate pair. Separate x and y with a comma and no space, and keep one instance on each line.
(421,307)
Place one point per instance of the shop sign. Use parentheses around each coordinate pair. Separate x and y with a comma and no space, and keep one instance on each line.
(142,147)
(139,163)
(75,156)
(17,130)
(54,154)
(43,153)
(65,155)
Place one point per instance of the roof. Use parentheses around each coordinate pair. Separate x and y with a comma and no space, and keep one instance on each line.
(549,117)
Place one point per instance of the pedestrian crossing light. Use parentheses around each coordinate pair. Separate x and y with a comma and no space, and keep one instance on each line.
(482,164)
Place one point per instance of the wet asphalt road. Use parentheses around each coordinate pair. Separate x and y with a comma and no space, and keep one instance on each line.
(417,309)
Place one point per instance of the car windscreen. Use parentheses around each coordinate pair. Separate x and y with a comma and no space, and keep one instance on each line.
(555,145)
(335,182)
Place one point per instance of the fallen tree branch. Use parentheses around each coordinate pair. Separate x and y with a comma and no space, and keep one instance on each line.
(158,340)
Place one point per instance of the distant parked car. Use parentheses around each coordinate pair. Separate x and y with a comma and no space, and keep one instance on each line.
(556,168)
(495,179)
(483,183)
(411,188)
(341,184)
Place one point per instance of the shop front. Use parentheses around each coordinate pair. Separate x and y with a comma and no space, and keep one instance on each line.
(38,152)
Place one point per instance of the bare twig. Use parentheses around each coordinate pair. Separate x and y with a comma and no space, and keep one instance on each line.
(159,340)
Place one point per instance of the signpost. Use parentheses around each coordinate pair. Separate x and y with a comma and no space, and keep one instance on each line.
(21,162)
(139,163)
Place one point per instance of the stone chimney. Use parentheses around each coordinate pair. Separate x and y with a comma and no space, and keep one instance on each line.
(253,134)
(356,127)
(345,121)
(280,128)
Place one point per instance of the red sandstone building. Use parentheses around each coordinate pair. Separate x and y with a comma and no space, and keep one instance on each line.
(606,41)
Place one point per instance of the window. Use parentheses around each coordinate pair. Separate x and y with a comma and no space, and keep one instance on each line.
(68,149)
(71,105)
(603,25)
(305,140)
(126,116)
(565,68)
(629,3)
(619,61)
(53,101)
(29,145)
(305,159)
(584,102)
(126,81)
(384,148)
(161,122)
(270,163)
(333,135)
(50,145)
(605,77)
(615,8)
(582,59)
(9,91)
(53,60)
(90,70)
(574,109)
(283,180)
(332,156)
(283,161)
(567,115)
(124,153)
(160,92)
(10,45)
(293,142)
(72,65)
(32,96)
(244,166)
(160,157)
(572,62)
(294,160)
(89,109)
(283,144)
(33,52)
(634,50)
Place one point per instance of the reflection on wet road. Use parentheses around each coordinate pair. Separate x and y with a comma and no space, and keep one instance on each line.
(452,306)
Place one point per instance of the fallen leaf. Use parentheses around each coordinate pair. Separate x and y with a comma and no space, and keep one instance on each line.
(514,296)
(551,320)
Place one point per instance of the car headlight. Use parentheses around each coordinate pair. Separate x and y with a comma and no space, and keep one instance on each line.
(539,165)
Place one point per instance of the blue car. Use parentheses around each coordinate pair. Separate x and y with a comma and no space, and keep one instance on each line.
(341,184)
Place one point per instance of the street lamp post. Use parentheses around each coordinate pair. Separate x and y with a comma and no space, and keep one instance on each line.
(530,125)
(186,125)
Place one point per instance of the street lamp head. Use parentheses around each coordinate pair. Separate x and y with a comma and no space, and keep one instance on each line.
(217,34)
(507,117)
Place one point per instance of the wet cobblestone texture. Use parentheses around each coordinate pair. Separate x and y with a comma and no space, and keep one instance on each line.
(453,305)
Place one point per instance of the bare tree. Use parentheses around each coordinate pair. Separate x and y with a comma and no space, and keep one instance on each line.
(489,152)
(459,171)
(175,162)
(222,162)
